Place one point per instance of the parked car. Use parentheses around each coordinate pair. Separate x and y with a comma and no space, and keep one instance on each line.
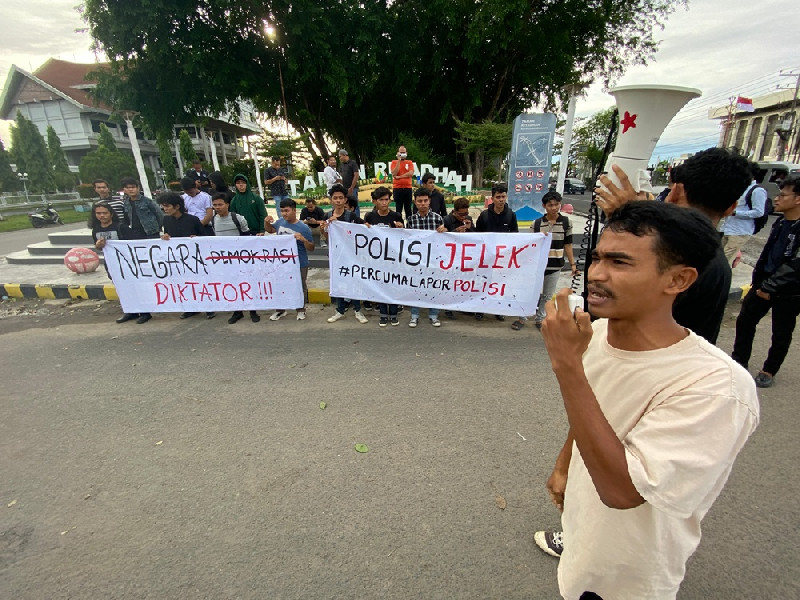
(771,173)
(573,185)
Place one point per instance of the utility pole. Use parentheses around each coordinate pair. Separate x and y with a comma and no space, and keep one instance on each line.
(729,121)
(791,131)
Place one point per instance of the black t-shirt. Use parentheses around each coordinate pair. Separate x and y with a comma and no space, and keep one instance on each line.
(347,216)
(348,170)
(106,233)
(376,220)
(702,306)
(451,224)
(317,214)
(276,188)
(184,226)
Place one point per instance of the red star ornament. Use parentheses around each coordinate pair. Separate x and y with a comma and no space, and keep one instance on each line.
(628,121)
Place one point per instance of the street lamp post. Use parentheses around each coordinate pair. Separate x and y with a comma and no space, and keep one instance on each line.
(162,175)
(23,177)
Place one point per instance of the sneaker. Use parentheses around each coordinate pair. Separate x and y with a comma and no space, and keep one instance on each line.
(235,317)
(323,244)
(550,542)
(763,380)
(383,322)
(188,315)
(301,315)
(479,316)
(412,323)
(210,315)
(394,321)
(449,314)
(400,309)
(361,318)
(145,317)
(436,323)
(128,317)
(500,317)
(336,316)
(254,316)
(367,306)
(277,315)
(538,324)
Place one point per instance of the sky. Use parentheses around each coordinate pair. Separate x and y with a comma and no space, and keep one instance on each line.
(722,47)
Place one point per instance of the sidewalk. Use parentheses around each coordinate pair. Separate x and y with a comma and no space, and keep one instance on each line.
(56,281)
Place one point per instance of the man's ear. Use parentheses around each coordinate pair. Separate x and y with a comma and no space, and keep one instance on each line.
(677,195)
(681,279)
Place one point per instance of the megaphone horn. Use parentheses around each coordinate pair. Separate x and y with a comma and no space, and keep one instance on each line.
(644,113)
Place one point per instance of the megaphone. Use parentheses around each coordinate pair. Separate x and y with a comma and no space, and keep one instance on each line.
(644,113)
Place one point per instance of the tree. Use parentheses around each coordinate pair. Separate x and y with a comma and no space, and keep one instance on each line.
(107,162)
(165,155)
(485,141)
(186,148)
(31,156)
(9,182)
(589,139)
(480,61)
(65,179)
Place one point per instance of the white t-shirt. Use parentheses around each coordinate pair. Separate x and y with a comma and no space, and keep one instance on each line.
(197,205)
(682,414)
(330,175)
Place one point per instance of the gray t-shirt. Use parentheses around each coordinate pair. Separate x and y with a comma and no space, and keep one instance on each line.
(226,226)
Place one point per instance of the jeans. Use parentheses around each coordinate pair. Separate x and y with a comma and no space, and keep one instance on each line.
(387,310)
(354,196)
(784,318)
(433,313)
(402,200)
(343,303)
(278,202)
(548,289)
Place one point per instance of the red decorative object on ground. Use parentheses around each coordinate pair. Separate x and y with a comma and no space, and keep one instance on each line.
(82,260)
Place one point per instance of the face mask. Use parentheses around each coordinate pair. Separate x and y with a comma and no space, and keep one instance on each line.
(403,155)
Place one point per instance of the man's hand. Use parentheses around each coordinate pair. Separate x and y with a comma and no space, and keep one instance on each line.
(398,225)
(299,237)
(612,198)
(100,243)
(441,229)
(566,336)
(556,485)
(763,295)
(165,236)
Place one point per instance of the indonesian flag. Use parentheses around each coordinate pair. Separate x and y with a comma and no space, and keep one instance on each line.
(745,104)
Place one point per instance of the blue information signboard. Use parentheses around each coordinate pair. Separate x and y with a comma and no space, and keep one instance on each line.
(529,163)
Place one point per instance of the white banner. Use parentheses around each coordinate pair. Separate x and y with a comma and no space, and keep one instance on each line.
(495,273)
(203,274)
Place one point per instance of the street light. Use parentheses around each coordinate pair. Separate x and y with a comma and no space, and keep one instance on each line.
(23,177)
(162,174)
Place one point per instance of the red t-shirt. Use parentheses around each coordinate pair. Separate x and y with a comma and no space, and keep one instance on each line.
(406,166)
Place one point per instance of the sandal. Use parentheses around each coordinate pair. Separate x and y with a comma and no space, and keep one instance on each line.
(517,325)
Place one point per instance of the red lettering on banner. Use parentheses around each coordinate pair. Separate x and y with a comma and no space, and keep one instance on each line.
(159,287)
(481,264)
(452,257)
(465,257)
(225,289)
(244,290)
(515,252)
(498,255)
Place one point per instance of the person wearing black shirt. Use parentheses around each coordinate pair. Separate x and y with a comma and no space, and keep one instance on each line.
(348,168)
(199,175)
(178,223)
(438,204)
(459,220)
(312,215)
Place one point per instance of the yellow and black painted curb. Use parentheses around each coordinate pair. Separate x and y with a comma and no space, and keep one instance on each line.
(99,292)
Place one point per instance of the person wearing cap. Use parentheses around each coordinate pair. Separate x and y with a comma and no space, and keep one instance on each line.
(348,169)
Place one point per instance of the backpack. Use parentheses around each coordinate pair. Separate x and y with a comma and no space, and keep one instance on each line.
(759,222)
(235,222)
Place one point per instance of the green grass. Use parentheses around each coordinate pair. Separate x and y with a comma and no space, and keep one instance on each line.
(19,222)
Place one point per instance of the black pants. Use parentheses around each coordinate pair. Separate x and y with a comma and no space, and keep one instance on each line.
(590,596)
(402,200)
(784,318)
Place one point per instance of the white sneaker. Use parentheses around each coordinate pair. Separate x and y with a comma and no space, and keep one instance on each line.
(301,315)
(361,318)
(323,244)
(412,323)
(436,323)
(336,316)
(277,315)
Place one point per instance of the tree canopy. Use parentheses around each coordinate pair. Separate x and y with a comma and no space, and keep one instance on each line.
(30,155)
(364,73)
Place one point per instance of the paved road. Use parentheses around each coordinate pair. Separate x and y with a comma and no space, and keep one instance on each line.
(190,459)
(14,241)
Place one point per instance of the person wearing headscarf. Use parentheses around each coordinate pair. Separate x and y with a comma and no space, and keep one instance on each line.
(251,206)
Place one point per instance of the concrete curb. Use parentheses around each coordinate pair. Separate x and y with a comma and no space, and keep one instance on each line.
(100,292)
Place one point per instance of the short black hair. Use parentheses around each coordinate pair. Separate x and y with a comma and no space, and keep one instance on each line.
(288,203)
(128,181)
(499,188)
(380,192)
(96,181)
(94,221)
(421,192)
(351,202)
(792,181)
(460,203)
(172,199)
(552,195)
(682,236)
(221,196)
(428,176)
(187,183)
(274,158)
(714,179)
(312,200)
(337,187)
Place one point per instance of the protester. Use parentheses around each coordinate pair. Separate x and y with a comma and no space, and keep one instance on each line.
(381,216)
(331,175)
(339,212)
(498,218)
(776,286)
(103,191)
(276,177)
(248,204)
(218,184)
(425,219)
(348,169)
(657,414)
(740,225)
(144,222)
(289,224)
(559,228)
(104,224)
(438,204)
(312,215)
(402,171)
(458,221)
(197,203)
(199,175)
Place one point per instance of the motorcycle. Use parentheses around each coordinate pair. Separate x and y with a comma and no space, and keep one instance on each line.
(46,216)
